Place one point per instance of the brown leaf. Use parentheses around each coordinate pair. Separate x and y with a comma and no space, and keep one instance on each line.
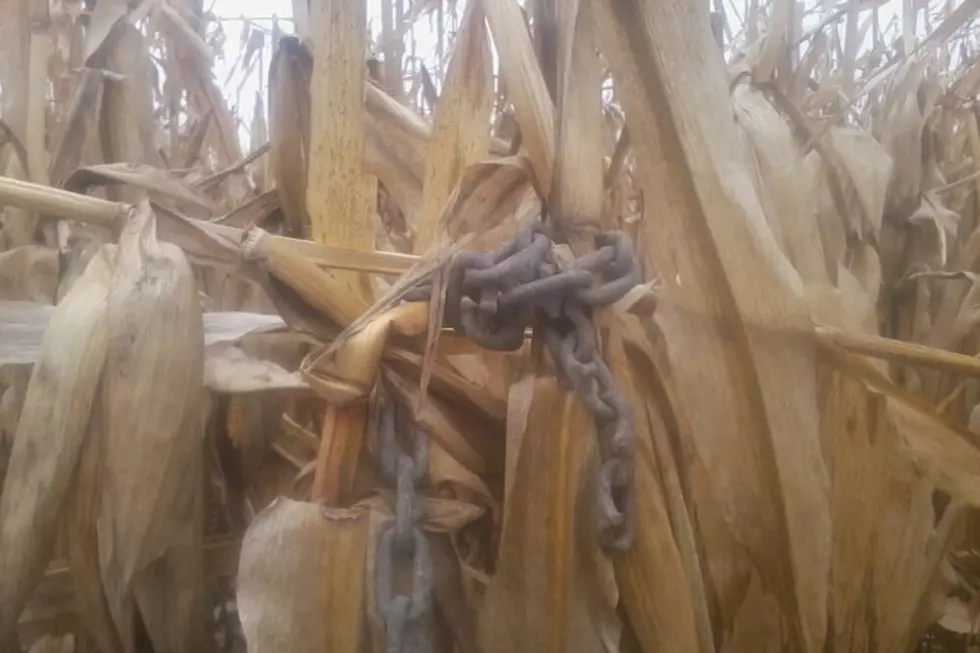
(155,180)
(50,435)
(311,561)
(460,137)
(553,589)
(487,195)
(941,221)
(29,273)
(868,167)
(525,85)
(172,598)
(289,128)
(254,212)
(187,35)
(127,128)
(104,18)
(722,273)
(81,514)
(781,171)
(154,424)
(853,424)
(671,612)
(23,325)
(86,105)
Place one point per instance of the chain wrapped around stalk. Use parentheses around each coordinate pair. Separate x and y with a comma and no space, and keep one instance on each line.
(493,297)
(401,542)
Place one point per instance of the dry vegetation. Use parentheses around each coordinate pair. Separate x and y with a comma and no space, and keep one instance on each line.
(195,331)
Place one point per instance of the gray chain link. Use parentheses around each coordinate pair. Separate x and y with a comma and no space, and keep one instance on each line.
(493,297)
(401,542)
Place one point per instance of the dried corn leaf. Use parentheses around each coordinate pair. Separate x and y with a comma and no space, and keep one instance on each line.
(127,129)
(289,128)
(460,137)
(472,440)
(190,39)
(54,644)
(22,328)
(86,105)
(82,540)
(160,182)
(74,261)
(868,167)
(400,172)
(833,233)
(759,441)
(899,129)
(525,85)
(553,590)
(905,560)
(756,626)
(254,212)
(50,435)
(29,273)
(23,325)
(941,222)
(172,598)
(488,195)
(301,579)
(348,372)
(671,613)
(154,426)
(104,18)
(910,543)
(947,457)
(951,328)
(788,204)
(449,590)
(777,40)
(853,424)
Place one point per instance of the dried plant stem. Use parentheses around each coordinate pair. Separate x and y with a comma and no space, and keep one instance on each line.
(343,427)
(103,213)
(43,199)
(900,351)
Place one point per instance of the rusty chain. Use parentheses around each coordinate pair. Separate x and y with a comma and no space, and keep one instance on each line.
(402,540)
(493,297)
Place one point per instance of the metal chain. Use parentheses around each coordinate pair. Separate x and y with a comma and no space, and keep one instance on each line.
(401,542)
(493,297)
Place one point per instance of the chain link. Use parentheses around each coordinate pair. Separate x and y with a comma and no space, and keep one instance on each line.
(493,297)
(402,540)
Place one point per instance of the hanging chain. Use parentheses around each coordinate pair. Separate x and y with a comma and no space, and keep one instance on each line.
(401,542)
(493,297)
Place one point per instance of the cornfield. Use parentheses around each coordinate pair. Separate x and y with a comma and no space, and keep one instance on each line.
(609,325)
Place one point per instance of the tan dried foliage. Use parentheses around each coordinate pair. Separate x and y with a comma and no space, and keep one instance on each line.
(194,340)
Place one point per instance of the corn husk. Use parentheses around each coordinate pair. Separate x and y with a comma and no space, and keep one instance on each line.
(300,554)
(150,517)
(51,433)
